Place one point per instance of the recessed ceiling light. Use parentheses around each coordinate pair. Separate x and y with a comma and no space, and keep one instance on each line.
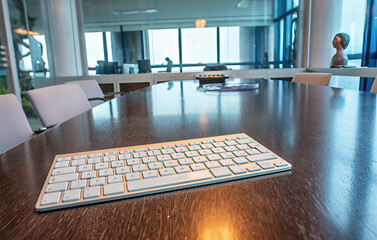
(130,12)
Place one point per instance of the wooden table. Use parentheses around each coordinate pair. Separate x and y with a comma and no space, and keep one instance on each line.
(328,135)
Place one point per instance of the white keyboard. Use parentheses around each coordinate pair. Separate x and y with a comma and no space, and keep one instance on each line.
(98,176)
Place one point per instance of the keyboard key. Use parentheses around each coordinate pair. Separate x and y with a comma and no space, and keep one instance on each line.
(125,151)
(78,184)
(227,155)
(252,151)
(100,166)
(240,160)
(154,148)
(63,159)
(111,153)
(167,151)
(140,150)
(125,156)
(168,146)
(253,168)
(116,164)
(194,148)
(105,172)
(214,157)
(185,161)
(61,164)
(205,152)
(162,158)
(97,181)
(218,150)
(181,149)
(85,168)
(115,179)
(194,143)
(243,147)
(168,180)
(132,176)
(94,160)
(57,187)
(192,154)
(131,162)
(260,157)
(176,156)
(197,167)
(221,172)
(148,160)
(281,164)
(240,153)
(245,140)
(61,171)
(200,159)
(139,168)
(262,149)
(78,162)
(139,155)
(72,195)
(122,170)
(226,162)
(154,166)
(150,174)
(109,158)
(94,155)
(115,188)
(182,169)
(213,164)
(231,149)
(166,171)
(51,198)
(154,153)
(220,140)
(88,175)
(92,192)
(181,145)
(171,163)
(219,144)
(206,146)
(79,157)
(230,143)
(64,178)
(266,165)
(237,169)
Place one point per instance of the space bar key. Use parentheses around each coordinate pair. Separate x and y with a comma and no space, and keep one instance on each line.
(168,180)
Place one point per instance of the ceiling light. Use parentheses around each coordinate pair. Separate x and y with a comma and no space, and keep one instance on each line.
(131,12)
(200,23)
(243,4)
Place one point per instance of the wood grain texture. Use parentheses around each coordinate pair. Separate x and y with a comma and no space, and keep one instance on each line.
(328,135)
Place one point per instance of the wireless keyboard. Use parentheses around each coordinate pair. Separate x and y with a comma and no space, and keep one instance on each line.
(98,176)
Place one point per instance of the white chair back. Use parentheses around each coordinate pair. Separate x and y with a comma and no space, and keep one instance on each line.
(57,104)
(322,79)
(91,89)
(14,127)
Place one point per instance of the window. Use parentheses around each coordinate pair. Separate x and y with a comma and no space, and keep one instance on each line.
(163,43)
(94,48)
(229,44)
(199,45)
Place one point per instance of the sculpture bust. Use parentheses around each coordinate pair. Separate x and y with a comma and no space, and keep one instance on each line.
(340,43)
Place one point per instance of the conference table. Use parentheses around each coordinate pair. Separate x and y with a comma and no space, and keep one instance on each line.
(329,136)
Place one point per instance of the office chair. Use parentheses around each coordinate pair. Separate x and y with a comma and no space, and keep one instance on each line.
(14,127)
(374,86)
(322,79)
(57,104)
(94,92)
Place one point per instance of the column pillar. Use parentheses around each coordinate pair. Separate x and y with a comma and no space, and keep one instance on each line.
(65,37)
(325,22)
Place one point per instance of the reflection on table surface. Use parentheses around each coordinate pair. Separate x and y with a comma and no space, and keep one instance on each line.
(328,135)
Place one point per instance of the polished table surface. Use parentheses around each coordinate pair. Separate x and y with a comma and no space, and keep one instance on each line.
(329,136)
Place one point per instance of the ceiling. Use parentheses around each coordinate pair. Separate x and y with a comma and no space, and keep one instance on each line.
(109,15)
